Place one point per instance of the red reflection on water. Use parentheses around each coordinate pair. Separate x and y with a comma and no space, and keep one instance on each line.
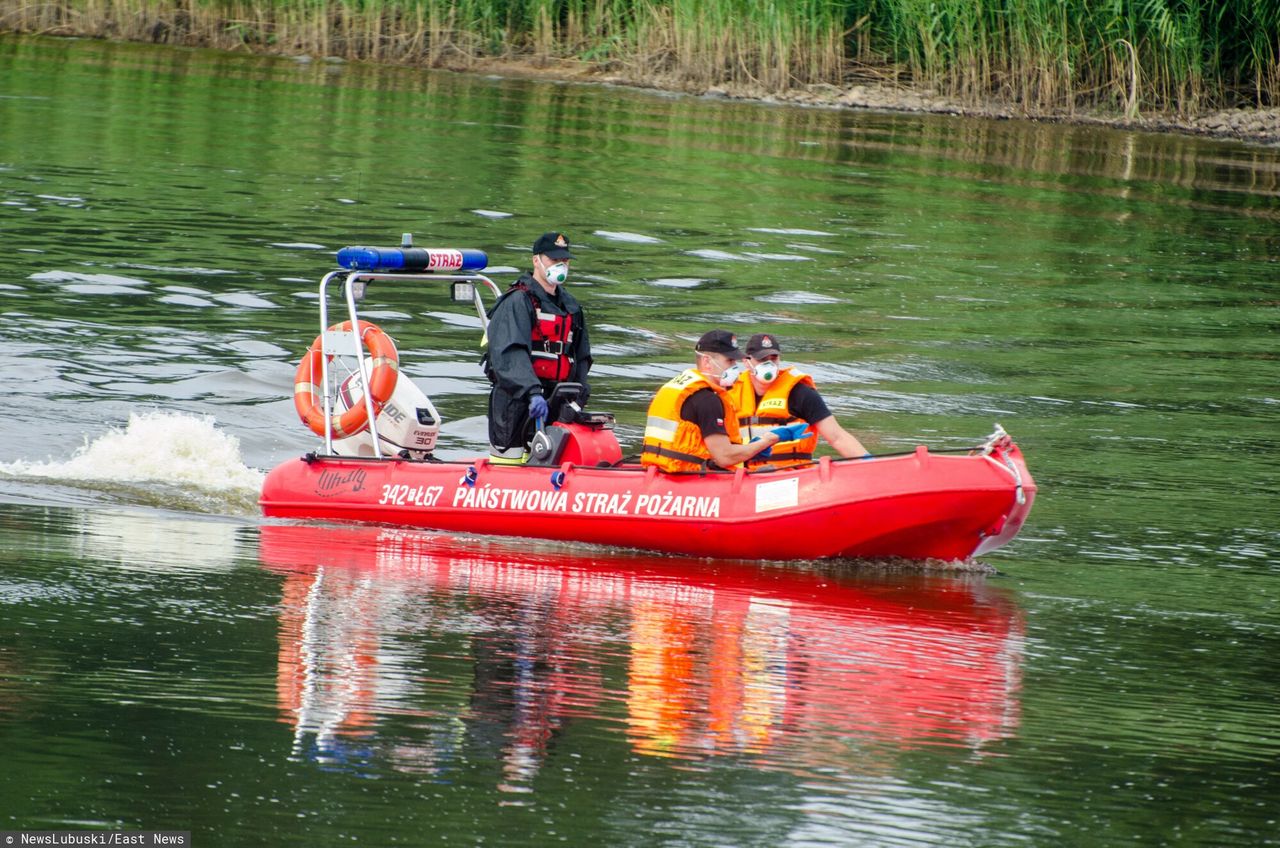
(792,668)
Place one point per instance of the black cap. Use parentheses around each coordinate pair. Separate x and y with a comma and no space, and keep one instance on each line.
(719,341)
(763,344)
(555,245)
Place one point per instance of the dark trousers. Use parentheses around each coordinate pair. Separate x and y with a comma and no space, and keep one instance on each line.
(509,422)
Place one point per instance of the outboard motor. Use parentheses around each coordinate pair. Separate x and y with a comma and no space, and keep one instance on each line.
(408,422)
(579,437)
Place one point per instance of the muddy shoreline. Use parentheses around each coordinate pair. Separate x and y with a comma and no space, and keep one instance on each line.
(1254,126)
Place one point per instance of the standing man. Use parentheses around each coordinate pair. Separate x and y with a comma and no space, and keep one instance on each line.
(770,396)
(692,425)
(537,338)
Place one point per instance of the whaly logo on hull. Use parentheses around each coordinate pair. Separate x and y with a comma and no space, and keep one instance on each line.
(334,483)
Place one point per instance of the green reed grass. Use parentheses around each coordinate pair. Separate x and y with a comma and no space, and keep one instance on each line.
(1045,55)
(1167,54)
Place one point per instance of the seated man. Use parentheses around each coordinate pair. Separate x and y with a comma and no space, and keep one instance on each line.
(770,395)
(691,425)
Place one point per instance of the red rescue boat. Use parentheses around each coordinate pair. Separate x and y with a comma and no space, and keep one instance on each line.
(377,466)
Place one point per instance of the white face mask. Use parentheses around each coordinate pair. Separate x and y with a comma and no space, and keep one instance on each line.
(766,371)
(557,273)
(729,376)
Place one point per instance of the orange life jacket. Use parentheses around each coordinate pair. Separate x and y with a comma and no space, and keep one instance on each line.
(670,442)
(755,418)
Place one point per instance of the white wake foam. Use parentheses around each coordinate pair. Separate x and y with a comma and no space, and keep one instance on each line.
(160,458)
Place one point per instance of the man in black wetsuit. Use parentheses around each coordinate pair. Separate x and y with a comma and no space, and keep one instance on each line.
(537,338)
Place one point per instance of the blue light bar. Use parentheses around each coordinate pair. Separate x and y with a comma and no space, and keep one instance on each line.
(411,259)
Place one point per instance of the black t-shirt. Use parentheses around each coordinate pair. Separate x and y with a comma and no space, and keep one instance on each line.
(805,403)
(704,408)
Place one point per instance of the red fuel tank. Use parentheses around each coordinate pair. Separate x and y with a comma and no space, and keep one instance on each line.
(591,444)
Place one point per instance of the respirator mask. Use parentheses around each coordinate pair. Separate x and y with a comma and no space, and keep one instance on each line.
(766,371)
(556,273)
(729,376)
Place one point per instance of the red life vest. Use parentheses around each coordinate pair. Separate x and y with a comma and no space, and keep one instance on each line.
(550,342)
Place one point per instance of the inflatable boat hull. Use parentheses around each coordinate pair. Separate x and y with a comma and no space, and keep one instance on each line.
(917,506)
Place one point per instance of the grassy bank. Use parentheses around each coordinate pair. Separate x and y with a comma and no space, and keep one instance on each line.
(1130,56)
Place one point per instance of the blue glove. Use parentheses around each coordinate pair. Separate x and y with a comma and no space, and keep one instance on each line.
(537,407)
(791,432)
(764,454)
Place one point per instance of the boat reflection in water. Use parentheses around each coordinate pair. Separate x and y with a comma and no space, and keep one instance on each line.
(419,652)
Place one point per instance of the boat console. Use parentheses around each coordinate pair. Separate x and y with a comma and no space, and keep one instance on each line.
(578,437)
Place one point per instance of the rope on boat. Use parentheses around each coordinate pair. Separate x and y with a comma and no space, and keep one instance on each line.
(1000,439)
(627,463)
(622,465)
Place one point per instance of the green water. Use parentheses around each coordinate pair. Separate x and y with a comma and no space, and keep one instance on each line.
(169,661)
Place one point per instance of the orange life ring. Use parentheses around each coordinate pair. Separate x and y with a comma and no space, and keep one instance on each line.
(308,395)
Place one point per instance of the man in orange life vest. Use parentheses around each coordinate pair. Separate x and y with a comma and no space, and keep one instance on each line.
(537,338)
(770,396)
(692,425)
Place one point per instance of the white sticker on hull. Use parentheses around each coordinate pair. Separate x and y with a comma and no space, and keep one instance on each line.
(778,494)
